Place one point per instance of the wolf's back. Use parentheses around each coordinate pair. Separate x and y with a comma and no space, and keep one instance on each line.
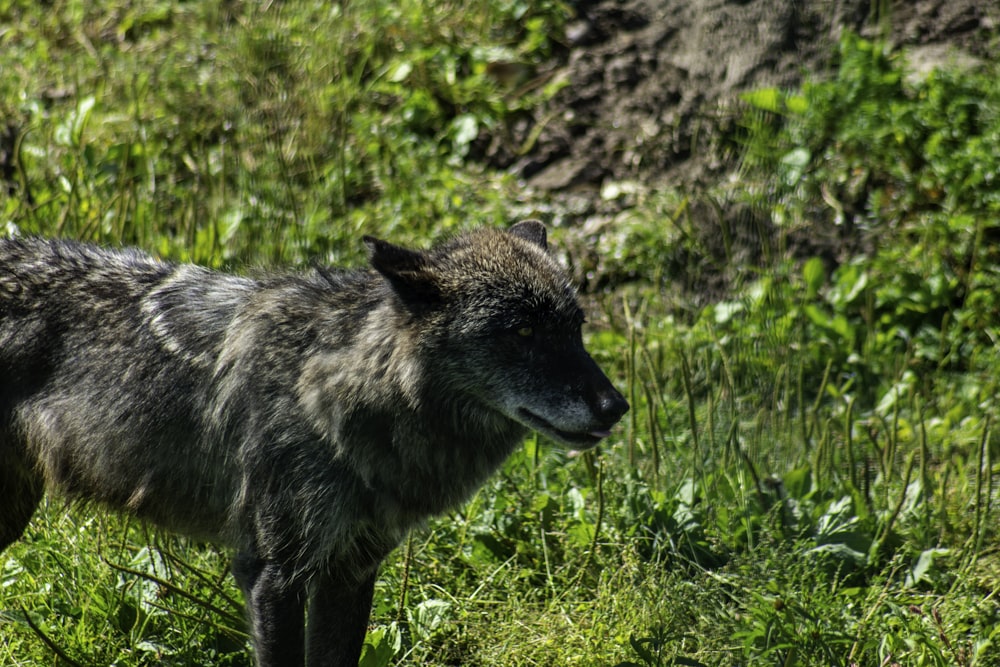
(58,292)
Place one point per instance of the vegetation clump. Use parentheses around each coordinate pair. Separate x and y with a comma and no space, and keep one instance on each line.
(809,472)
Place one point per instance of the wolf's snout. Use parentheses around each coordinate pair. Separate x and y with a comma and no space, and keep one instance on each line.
(611,407)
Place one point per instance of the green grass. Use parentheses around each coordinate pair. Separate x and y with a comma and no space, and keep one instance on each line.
(809,472)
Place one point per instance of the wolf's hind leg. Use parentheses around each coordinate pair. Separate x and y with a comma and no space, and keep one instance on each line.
(21,490)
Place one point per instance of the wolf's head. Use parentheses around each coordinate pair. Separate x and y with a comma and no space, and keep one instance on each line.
(499,322)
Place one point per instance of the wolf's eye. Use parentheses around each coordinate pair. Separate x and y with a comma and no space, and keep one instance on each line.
(525,332)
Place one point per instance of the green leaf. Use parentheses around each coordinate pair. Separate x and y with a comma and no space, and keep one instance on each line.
(401,72)
(768,99)
(793,165)
(581,533)
(814,275)
(924,566)
(726,310)
(818,316)
(466,129)
(850,283)
(798,104)
(70,131)
(428,616)
(842,552)
(798,482)
(381,645)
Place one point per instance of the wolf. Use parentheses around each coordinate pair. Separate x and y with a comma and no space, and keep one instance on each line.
(306,420)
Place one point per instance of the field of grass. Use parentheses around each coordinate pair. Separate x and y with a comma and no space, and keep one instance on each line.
(809,474)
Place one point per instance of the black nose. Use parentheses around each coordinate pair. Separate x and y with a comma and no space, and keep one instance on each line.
(612,406)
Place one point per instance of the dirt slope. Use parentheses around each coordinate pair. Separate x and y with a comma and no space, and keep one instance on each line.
(649,85)
(647,78)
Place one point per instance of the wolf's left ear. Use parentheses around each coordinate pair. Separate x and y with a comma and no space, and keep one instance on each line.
(409,271)
(531,230)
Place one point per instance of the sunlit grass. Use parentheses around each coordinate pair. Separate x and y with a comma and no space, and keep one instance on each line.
(808,474)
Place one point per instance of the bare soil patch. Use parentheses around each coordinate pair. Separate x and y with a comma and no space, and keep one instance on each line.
(649,81)
(652,84)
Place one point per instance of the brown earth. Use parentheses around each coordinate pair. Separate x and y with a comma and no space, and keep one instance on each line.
(650,84)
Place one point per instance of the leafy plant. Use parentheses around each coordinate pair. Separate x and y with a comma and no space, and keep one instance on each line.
(808,472)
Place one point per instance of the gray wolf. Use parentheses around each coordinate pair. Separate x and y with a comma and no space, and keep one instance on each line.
(308,421)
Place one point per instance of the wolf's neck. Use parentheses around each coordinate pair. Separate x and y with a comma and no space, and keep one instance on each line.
(375,401)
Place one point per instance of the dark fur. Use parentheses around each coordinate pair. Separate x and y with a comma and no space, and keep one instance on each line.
(308,421)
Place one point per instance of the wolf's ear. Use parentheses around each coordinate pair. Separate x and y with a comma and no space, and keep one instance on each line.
(533,231)
(409,271)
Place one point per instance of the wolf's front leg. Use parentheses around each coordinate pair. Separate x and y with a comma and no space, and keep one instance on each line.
(276,609)
(338,619)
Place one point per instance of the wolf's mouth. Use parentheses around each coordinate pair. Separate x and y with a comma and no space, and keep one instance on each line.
(582,440)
